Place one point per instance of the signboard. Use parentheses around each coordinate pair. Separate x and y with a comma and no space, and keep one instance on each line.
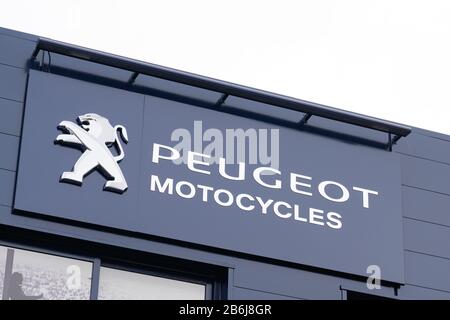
(149,165)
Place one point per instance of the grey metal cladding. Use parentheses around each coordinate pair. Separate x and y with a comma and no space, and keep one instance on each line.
(12,83)
(7,179)
(432,134)
(10,116)
(427,147)
(285,281)
(5,211)
(426,205)
(437,245)
(411,292)
(427,271)
(18,52)
(425,174)
(18,34)
(9,146)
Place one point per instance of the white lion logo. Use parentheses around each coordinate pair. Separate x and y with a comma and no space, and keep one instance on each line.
(94,135)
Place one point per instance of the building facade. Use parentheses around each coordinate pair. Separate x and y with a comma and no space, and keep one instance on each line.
(125,180)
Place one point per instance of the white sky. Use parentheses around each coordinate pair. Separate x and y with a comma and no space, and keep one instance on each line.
(385,58)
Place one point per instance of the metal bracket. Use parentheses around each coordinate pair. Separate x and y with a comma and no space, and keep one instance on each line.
(305,119)
(49,61)
(392,140)
(42,62)
(35,52)
(133,77)
(221,100)
(396,138)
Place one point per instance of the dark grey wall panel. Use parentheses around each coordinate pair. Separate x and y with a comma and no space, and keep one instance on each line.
(5,210)
(426,205)
(6,187)
(10,116)
(18,51)
(285,281)
(12,83)
(18,34)
(436,243)
(409,292)
(426,174)
(425,147)
(9,146)
(432,134)
(427,271)
(248,294)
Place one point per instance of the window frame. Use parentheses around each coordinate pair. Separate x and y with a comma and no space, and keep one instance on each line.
(152,271)
(213,286)
(41,250)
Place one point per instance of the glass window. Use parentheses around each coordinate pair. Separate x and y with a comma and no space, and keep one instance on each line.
(120,285)
(43,276)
